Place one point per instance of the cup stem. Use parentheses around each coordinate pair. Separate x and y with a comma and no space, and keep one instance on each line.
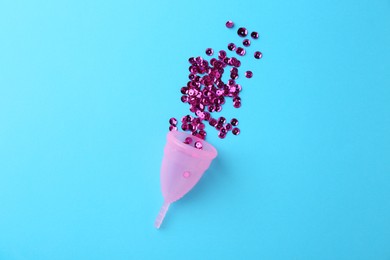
(161,214)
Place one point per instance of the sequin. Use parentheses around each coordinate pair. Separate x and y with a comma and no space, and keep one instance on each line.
(213,122)
(237,104)
(231,47)
(198,145)
(228,127)
(234,122)
(202,134)
(242,32)
(248,74)
(188,140)
(221,135)
(209,51)
(229,24)
(184,98)
(246,42)
(258,55)
(236,131)
(186,118)
(184,127)
(221,54)
(173,121)
(240,51)
(255,35)
(221,120)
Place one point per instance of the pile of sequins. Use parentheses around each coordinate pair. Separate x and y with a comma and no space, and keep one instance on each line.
(206,92)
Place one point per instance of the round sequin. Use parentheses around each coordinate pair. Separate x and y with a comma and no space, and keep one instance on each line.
(231,47)
(198,145)
(229,24)
(254,35)
(240,51)
(242,32)
(258,55)
(221,135)
(222,54)
(234,122)
(173,121)
(188,140)
(209,51)
(246,42)
(248,74)
(221,120)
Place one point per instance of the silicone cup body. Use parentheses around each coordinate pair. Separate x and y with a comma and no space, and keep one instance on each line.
(182,167)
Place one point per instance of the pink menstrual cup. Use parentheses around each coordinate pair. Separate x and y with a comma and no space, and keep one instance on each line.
(182,167)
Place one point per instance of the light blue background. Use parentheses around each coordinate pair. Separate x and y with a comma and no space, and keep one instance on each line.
(86,91)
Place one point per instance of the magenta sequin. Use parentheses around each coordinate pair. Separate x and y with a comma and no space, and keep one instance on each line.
(236,131)
(198,145)
(221,135)
(242,32)
(258,55)
(231,47)
(229,24)
(254,35)
(248,74)
(234,122)
(221,54)
(246,42)
(240,51)
(172,128)
(209,51)
(173,121)
(188,140)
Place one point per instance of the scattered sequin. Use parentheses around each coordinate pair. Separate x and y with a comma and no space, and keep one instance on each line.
(231,47)
(198,145)
(242,32)
(254,35)
(258,55)
(209,51)
(229,24)
(248,74)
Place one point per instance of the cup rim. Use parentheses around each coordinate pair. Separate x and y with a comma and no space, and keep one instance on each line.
(209,152)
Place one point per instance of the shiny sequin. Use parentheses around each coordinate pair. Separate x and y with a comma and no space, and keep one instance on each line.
(236,131)
(258,55)
(254,35)
(188,140)
(231,47)
(229,24)
(240,51)
(248,74)
(209,51)
(246,42)
(234,122)
(198,145)
(242,32)
(173,121)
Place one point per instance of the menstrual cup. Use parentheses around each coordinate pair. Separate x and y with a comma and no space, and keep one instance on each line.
(182,167)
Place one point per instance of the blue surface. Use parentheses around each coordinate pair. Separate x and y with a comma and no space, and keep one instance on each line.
(86,91)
